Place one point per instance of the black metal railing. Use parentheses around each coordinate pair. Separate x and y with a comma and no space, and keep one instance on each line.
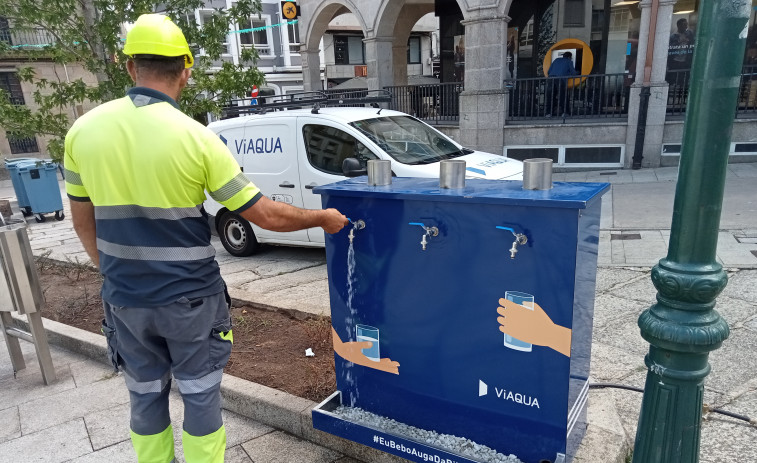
(27,39)
(433,103)
(748,92)
(20,145)
(678,92)
(578,97)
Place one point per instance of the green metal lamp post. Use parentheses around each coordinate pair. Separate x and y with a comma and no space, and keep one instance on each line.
(683,327)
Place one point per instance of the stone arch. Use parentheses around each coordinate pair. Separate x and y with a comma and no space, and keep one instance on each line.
(323,14)
(392,11)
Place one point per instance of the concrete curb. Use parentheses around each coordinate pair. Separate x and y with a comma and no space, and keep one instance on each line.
(605,439)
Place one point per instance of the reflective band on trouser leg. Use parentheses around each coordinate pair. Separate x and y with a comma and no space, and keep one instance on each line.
(155,448)
(204,436)
(151,432)
(204,449)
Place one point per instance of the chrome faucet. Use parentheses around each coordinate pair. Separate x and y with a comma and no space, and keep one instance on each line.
(520,239)
(356,225)
(429,232)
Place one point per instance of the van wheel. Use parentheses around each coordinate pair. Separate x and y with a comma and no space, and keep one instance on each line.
(237,236)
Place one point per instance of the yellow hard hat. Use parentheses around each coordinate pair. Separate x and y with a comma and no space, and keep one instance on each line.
(155,34)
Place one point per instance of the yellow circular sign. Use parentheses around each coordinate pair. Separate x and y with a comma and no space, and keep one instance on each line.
(587,63)
(289,9)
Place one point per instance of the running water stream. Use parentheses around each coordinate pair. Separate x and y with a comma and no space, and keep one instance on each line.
(351,322)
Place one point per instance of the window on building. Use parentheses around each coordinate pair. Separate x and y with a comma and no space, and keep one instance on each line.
(12,86)
(5,31)
(527,36)
(620,19)
(574,14)
(294,37)
(205,17)
(21,145)
(349,49)
(522,154)
(328,147)
(256,34)
(414,50)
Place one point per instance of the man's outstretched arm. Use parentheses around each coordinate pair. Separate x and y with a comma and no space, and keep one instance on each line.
(281,217)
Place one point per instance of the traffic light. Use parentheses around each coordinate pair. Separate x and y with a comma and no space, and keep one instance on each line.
(290,10)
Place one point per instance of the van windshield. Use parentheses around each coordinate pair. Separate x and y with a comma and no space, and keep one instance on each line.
(408,140)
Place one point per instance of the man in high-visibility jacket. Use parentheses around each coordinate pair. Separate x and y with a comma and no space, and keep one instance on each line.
(136,173)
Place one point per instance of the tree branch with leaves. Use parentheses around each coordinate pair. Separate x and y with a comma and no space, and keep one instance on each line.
(90,33)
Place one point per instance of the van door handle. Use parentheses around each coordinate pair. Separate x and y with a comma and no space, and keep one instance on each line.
(286,185)
(311,186)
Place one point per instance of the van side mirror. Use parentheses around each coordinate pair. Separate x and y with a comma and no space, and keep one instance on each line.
(351,167)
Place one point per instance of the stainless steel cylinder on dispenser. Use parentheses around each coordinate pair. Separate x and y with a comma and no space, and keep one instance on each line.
(537,174)
(452,174)
(379,172)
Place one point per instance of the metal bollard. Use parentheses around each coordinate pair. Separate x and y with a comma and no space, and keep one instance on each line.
(452,174)
(379,172)
(21,291)
(537,174)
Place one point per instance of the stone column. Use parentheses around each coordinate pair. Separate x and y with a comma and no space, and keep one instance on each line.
(657,85)
(482,104)
(399,60)
(311,70)
(379,59)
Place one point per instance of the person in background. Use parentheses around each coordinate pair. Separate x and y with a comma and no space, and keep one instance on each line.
(562,68)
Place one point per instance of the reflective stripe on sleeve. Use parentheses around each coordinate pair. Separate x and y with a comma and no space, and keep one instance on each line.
(232,187)
(72,177)
(155,253)
(195,386)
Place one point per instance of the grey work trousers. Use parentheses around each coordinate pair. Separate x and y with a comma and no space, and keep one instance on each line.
(189,339)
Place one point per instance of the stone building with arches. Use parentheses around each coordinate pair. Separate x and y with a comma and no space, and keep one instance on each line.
(501,51)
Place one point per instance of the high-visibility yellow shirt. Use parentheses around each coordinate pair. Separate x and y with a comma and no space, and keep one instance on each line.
(145,166)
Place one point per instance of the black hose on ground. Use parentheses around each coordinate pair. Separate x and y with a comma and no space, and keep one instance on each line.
(706,407)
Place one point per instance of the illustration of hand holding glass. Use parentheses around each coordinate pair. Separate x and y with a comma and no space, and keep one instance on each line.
(529,324)
(355,352)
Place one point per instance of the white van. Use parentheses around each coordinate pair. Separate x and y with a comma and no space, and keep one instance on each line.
(288,153)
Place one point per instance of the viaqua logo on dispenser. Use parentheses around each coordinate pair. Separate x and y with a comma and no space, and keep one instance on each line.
(504,394)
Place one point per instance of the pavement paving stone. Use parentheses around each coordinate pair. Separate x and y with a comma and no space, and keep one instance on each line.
(309,297)
(59,408)
(733,364)
(725,440)
(240,279)
(606,431)
(30,387)
(108,427)
(55,444)
(280,447)
(609,308)
(88,372)
(10,424)
(641,290)
(122,452)
(237,455)
(611,364)
(735,311)
(288,281)
(741,285)
(624,334)
(608,278)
